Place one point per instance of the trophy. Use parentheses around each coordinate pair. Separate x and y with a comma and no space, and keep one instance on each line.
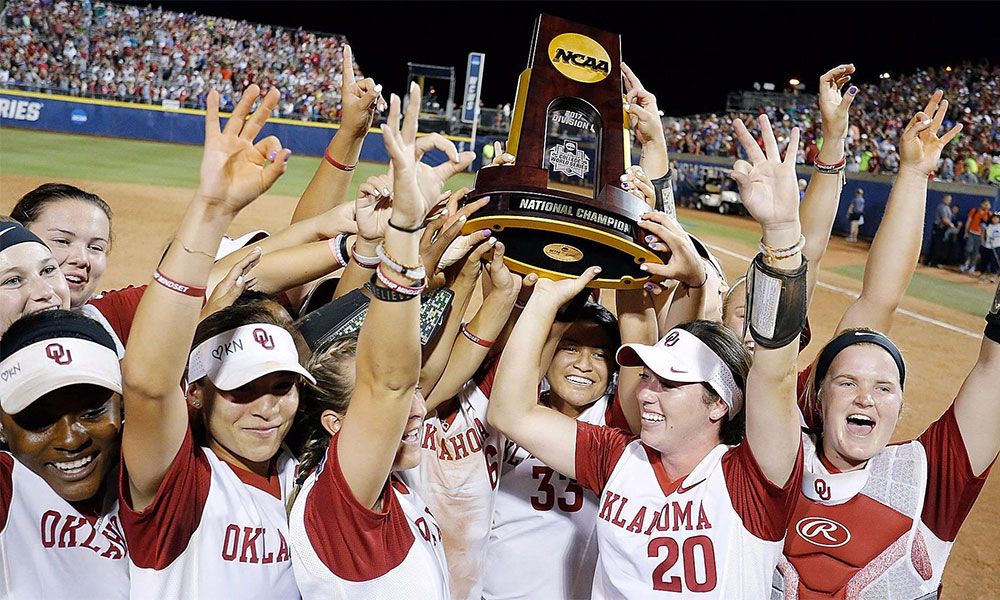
(559,209)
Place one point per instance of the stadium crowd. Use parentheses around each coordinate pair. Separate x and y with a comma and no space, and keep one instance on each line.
(872,141)
(149,55)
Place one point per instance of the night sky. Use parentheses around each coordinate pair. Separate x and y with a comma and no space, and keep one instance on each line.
(689,54)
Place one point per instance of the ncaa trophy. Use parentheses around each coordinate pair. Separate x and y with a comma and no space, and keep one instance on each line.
(559,208)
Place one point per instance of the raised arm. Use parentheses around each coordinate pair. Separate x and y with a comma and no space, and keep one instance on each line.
(896,246)
(977,407)
(388,355)
(233,173)
(637,325)
(329,186)
(644,117)
(769,190)
(545,433)
(819,206)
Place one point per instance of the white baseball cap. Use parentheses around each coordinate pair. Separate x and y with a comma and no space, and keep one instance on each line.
(53,363)
(238,356)
(680,356)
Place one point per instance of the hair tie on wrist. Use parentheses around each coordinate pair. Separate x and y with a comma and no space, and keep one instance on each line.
(404,229)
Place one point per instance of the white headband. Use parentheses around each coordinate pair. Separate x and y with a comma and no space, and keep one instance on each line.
(238,356)
(681,356)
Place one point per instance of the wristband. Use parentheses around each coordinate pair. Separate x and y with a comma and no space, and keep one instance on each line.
(386,294)
(833,169)
(417,273)
(176,286)
(338,246)
(776,303)
(664,189)
(475,339)
(367,262)
(404,229)
(337,165)
(414,290)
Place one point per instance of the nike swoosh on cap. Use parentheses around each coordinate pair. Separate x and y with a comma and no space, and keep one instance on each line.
(6,230)
(673,370)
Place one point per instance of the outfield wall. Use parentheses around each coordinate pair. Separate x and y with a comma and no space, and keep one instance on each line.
(186,126)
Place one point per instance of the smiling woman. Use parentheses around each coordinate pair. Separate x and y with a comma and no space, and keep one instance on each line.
(60,387)
(76,225)
(30,279)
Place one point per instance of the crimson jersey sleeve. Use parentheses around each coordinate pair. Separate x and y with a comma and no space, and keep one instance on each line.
(118,307)
(764,507)
(952,488)
(487,373)
(598,450)
(353,541)
(158,534)
(6,486)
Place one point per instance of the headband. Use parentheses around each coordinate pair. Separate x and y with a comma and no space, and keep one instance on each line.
(850,338)
(14,233)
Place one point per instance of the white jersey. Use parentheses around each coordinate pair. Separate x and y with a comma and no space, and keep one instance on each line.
(458,475)
(543,528)
(213,531)
(343,550)
(917,492)
(50,549)
(715,534)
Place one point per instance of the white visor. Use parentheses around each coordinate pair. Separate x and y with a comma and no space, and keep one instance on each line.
(54,363)
(229,245)
(238,356)
(682,357)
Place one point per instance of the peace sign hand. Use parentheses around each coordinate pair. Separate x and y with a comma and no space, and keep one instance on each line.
(768,187)
(234,171)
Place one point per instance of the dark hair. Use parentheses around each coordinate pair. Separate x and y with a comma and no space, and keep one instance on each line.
(50,324)
(724,343)
(593,312)
(29,208)
(332,366)
(235,316)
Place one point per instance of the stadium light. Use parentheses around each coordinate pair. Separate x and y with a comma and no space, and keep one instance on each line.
(884,76)
(769,87)
(948,69)
(793,82)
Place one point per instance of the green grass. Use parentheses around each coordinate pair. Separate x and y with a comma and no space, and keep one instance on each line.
(702,229)
(965,298)
(64,156)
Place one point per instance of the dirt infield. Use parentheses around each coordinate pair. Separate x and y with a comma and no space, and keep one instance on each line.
(937,358)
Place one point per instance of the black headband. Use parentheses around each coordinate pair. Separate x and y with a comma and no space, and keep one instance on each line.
(52,325)
(850,338)
(15,233)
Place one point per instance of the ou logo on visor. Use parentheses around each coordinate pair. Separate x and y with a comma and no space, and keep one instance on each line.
(263,338)
(61,355)
(823,532)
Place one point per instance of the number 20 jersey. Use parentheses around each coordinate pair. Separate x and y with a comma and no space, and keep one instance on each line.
(716,533)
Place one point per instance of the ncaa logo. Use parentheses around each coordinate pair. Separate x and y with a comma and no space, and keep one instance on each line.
(263,338)
(60,355)
(823,532)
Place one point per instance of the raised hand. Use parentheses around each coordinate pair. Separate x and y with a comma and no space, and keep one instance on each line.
(373,207)
(553,294)
(502,278)
(768,187)
(433,179)
(683,263)
(500,158)
(360,99)
(234,171)
(637,183)
(919,146)
(833,107)
(236,282)
(643,112)
(410,206)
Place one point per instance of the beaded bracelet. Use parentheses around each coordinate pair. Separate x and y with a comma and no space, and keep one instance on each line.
(778,253)
(338,246)
(418,272)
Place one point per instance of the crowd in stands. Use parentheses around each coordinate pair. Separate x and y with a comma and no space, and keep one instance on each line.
(148,55)
(871,142)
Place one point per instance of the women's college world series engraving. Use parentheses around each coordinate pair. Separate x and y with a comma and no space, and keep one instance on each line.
(559,209)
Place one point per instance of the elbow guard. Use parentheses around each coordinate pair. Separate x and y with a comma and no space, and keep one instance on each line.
(776,303)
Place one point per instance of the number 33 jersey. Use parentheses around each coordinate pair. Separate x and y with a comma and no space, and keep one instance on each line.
(716,533)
